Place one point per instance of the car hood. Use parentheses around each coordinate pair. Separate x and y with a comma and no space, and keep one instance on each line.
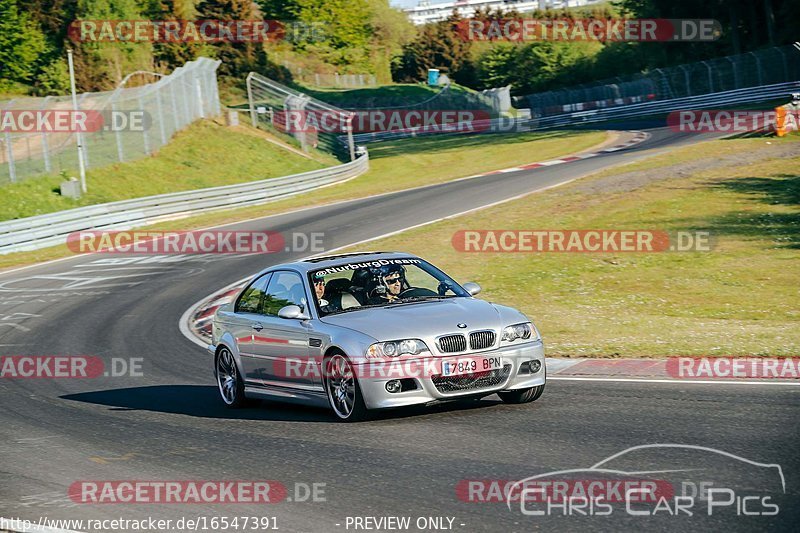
(425,319)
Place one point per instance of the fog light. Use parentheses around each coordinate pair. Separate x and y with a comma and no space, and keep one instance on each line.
(393,386)
(535,366)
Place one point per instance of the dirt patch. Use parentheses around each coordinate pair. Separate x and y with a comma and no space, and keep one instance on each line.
(630,181)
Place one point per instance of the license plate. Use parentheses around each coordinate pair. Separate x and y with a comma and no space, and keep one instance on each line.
(470,365)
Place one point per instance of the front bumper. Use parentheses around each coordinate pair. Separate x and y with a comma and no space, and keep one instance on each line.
(376,396)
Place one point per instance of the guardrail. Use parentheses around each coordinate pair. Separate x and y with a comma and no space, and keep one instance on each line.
(46,230)
(504,125)
(41,231)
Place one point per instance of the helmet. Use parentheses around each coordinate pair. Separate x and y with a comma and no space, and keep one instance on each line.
(396,272)
(387,270)
(361,277)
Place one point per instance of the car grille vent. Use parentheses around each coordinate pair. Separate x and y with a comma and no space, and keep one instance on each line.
(452,343)
(479,340)
(469,382)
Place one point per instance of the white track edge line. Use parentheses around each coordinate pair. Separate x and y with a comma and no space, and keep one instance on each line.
(676,381)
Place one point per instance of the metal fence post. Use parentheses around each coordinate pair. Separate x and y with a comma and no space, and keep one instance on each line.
(302,136)
(199,93)
(144,130)
(710,77)
(45,147)
(185,93)
(175,117)
(686,78)
(785,64)
(210,92)
(758,66)
(12,171)
(160,113)
(735,72)
(249,83)
(350,137)
(215,85)
(117,133)
(84,139)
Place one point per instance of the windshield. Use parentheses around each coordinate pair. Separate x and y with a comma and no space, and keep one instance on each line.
(355,286)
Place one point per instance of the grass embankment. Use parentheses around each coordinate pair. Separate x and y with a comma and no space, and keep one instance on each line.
(741,298)
(387,96)
(206,154)
(393,166)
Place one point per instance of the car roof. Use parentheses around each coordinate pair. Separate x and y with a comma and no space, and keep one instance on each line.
(321,262)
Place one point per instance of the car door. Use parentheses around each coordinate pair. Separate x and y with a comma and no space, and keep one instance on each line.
(245,322)
(281,347)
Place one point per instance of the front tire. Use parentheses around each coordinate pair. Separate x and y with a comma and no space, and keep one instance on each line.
(229,379)
(523,395)
(342,389)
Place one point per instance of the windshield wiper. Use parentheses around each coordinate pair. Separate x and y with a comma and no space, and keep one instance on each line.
(412,299)
(354,308)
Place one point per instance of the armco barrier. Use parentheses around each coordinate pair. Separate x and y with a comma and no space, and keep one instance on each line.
(47,230)
(748,95)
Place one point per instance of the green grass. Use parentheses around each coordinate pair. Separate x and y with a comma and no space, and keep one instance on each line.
(741,298)
(413,92)
(206,154)
(384,96)
(432,159)
(393,166)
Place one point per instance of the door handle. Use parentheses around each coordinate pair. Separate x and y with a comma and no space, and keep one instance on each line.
(258,327)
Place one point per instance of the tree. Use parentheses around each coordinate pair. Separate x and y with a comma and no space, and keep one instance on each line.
(102,65)
(438,45)
(171,55)
(21,44)
(341,28)
(53,78)
(240,57)
(391,30)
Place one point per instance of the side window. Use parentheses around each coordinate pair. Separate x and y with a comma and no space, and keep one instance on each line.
(250,301)
(285,288)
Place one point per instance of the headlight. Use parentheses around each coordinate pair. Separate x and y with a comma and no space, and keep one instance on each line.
(523,331)
(379,350)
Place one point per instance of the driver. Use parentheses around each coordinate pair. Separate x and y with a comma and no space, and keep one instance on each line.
(319,290)
(391,281)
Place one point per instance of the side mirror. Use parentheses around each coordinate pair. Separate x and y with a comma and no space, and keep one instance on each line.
(472,288)
(292,312)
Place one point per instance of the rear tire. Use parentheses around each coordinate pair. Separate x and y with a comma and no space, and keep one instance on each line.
(342,389)
(523,395)
(229,379)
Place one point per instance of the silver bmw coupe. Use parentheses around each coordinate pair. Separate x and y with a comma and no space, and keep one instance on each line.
(367,331)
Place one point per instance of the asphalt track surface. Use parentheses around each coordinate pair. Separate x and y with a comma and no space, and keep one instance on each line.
(168,424)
